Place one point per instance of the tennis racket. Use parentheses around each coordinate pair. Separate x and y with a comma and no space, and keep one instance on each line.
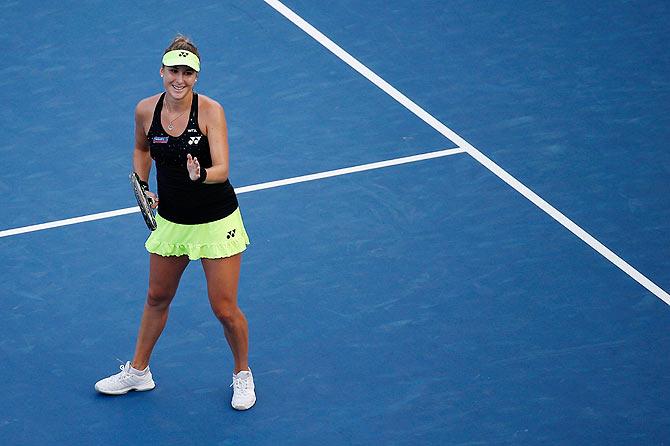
(143,201)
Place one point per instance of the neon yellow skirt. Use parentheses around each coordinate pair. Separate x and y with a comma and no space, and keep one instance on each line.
(215,240)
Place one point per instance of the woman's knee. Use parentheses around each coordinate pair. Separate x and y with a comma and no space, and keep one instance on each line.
(159,298)
(226,313)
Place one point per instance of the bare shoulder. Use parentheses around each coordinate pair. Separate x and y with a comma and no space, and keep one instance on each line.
(209,108)
(146,106)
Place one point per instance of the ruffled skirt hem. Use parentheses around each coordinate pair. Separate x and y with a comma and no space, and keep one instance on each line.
(218,239)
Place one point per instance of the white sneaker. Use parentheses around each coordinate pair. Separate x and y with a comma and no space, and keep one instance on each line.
(125,381)
(243,390)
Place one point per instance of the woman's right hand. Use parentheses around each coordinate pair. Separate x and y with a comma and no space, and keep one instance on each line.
(152,198)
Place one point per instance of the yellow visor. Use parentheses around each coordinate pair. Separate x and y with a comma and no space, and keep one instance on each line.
(181,57)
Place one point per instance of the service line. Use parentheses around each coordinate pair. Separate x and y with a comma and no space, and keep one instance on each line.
(244,189)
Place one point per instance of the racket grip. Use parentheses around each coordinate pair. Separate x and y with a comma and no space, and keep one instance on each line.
(143,184)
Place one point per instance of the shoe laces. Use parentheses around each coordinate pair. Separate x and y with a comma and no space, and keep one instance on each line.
(240,385)
(125,371)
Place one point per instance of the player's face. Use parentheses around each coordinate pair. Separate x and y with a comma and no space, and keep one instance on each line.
(178,81)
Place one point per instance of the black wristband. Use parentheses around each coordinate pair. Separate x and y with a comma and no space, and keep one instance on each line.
(203,175)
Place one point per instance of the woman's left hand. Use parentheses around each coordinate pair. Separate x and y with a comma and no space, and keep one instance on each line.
(193,167)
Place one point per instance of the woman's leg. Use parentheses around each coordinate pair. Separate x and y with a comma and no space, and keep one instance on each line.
(164,275)
(222,279)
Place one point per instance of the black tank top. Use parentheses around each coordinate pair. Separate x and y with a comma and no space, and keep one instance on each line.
(182,200)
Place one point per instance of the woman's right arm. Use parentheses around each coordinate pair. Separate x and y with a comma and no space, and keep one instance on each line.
(141,154)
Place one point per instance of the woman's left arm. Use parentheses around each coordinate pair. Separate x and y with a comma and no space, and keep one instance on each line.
(217,134)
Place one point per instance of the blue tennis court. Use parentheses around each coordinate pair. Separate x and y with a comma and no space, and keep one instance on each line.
(513,290)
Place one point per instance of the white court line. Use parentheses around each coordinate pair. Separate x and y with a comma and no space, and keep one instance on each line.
(243,189)
(470,149)
(348,170)
(68,221)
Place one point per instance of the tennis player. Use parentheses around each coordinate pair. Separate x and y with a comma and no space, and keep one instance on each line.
(198,217)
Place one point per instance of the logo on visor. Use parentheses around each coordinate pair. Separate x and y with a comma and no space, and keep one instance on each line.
(183,54)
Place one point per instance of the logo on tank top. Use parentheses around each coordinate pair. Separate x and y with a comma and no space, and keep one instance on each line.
(194,140)
(160,139)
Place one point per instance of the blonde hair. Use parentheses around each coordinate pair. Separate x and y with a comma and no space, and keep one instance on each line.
(181,42)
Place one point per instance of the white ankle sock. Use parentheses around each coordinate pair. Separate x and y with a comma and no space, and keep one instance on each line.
(134,371)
